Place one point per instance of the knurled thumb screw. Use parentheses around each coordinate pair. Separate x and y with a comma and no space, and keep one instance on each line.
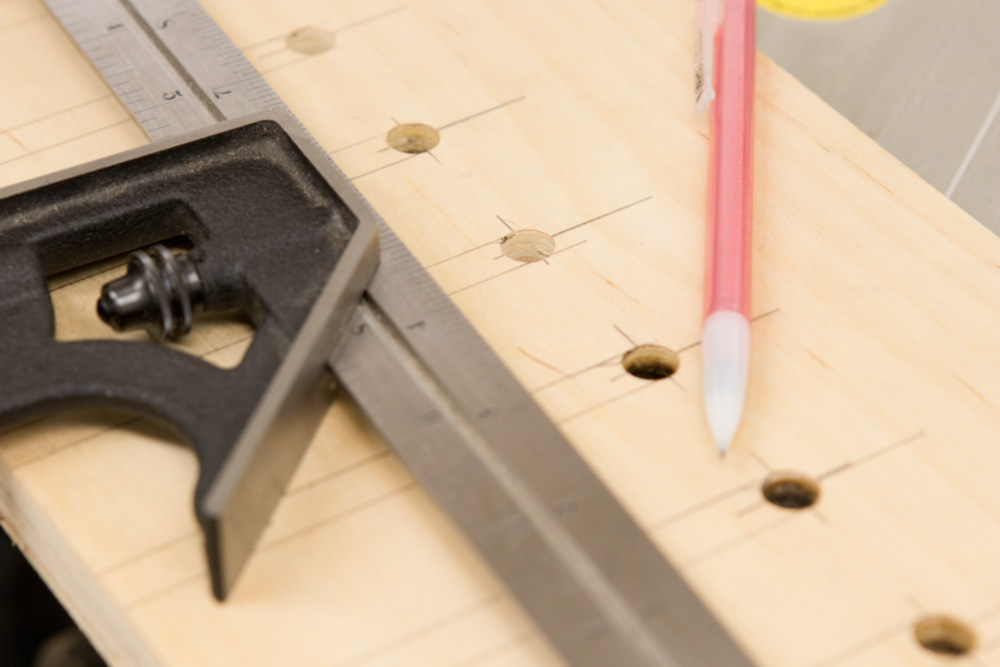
(160,292)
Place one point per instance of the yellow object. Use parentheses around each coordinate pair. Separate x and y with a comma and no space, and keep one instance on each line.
(822,10)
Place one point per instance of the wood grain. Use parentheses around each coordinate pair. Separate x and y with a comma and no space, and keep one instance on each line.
(875,365)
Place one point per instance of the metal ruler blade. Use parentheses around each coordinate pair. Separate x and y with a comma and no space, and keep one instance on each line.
(588,575)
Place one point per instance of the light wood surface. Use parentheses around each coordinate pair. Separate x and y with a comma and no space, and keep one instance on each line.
(875,362)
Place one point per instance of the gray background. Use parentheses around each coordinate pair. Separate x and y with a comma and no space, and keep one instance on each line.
(921,77)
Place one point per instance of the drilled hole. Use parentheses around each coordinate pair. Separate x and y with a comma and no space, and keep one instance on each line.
(528,245)
(790,490)
(651,362)
(310,40)
(945,635)
(413,138)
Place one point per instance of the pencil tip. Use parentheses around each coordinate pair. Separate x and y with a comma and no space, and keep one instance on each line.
(725,359)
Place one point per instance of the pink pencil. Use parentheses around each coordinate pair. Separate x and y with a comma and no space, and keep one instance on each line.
(726,332)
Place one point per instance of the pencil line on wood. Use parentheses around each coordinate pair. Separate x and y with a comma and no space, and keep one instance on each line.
(385,166)
(357,143)
(323,479)
(369,19)
(67,141)
(146,553)
(495,651)
(860,647)
(165,591)
(736,541)
(607,402)
(40,119)
(346,26)
(464,252)
(486,280)
(313,527)
(422,631)
(603,215)
(570,376)
(64,447)
(481,113)
(540,362)
(874,455)
(697,507)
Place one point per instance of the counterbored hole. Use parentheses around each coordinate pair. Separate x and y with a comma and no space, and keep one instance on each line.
(945,635)
(790,490)
(310,40)
(413,138)
(651,362)
(528,245)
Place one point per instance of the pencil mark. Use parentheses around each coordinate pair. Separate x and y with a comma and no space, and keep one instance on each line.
(607,402)
(603,215)
(357,143)
(605,362)
(165,591)
(63,447)
(495,651)
(40,119)
(519,266)
(467,118)
(974,391)
(862,646)
(67,141)
(750,508)
(736,541)
(464,252)
(348,26)
(761,461)
(877,453)
(627,337)
(370,19)
(339,472)
(385,166)
(540,362)
(311,528)
(482,113)
(697,507)
(486,280)
(146,553)
(763,315)
(433,626)
(816,357)
(569,247)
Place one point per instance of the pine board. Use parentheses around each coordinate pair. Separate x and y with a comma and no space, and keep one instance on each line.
(875,367)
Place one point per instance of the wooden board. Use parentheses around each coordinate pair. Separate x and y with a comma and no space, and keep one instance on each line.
(875,364)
